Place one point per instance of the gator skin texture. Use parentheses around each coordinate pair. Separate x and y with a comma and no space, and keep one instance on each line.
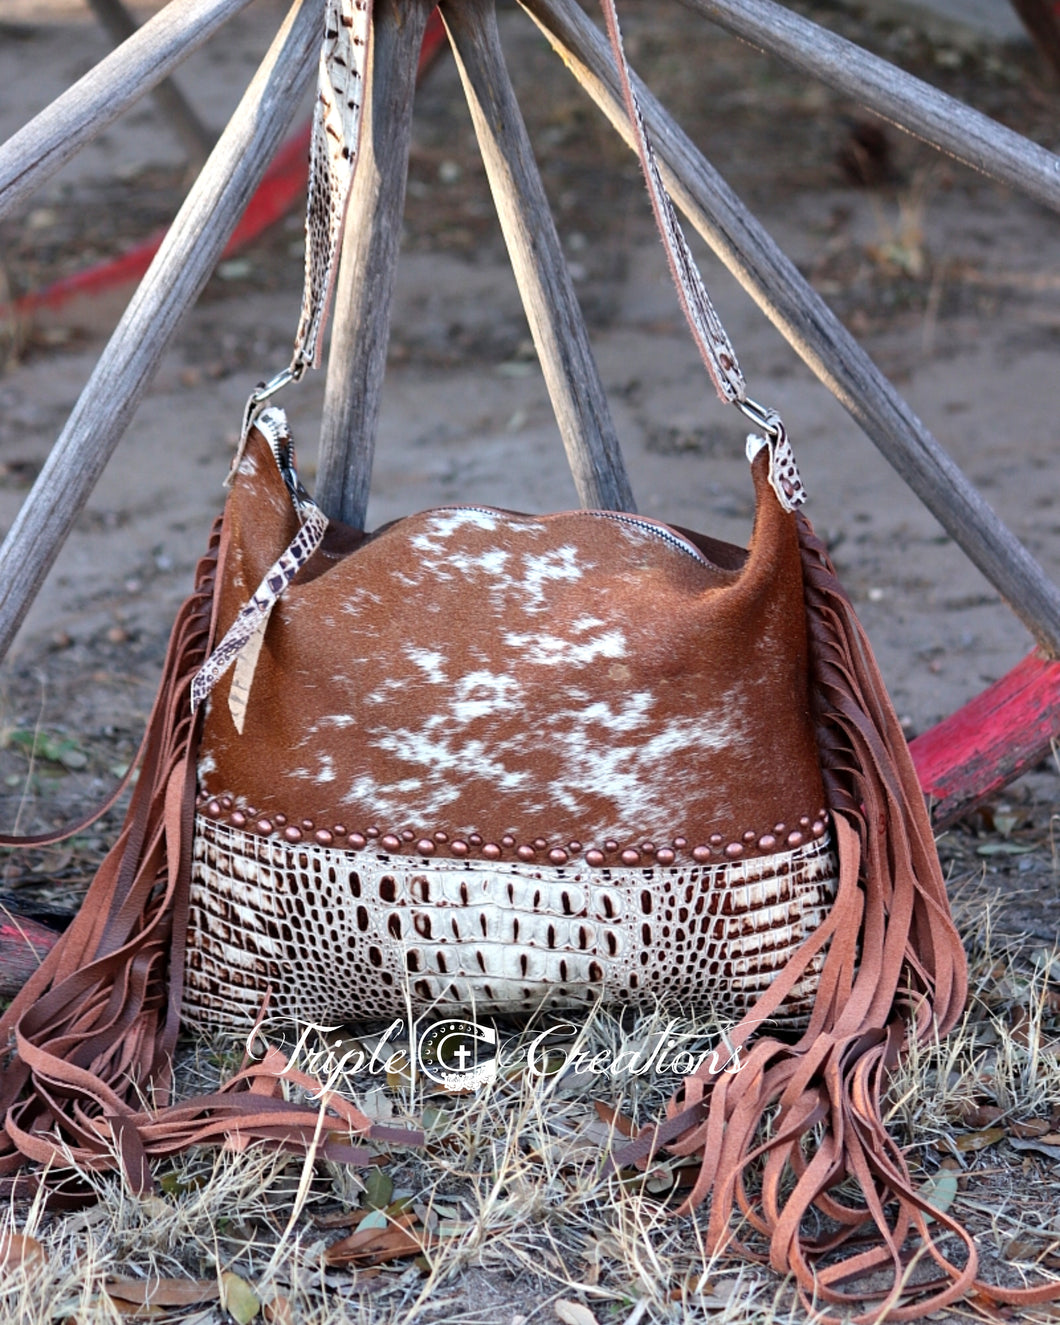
(343,936)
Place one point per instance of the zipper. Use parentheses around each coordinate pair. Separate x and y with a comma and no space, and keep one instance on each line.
(661,531)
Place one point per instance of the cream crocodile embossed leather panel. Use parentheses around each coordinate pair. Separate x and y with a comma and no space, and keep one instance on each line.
(340,935)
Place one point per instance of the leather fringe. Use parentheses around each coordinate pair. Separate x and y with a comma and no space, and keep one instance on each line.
(778,1136)
(89,1040)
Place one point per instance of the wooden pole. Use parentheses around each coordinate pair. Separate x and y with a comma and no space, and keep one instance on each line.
(51,138)
(370,242)
(172,284)
(571,374)
(177,114)
(809,325)
(1041,18)
(908,102)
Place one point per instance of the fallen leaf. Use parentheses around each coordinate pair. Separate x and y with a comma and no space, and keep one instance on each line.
(1037,1144)
(19,1249)
(613,1118)
(163,1292)
(1020,1249)
(340,1219)
(573,1313)
(940,1191)
(238,1298)
(279,1311)
(981,1115)
(972,1141)
(1030,1127)
(378,1188)
(716,1295)
(376,1246)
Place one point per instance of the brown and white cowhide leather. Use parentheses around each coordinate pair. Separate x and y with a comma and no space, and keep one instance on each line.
(507,759)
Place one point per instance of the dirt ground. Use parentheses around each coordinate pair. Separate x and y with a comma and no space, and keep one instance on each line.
(951,282)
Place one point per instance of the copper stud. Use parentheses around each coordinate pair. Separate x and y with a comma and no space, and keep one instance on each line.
(238,819)
(227,802)
(680,843)
(817,830)
(292,834)
(804,822)
(213,809)
(750,837)
(795,839)
(701,855)
(780,829)
(716,839)
(425,846)
(507,840)
(558,856)
(279,820)
(307,825)
(631,856)
(526,852)
(475,839)
(822,813)
(369,832)
(595,857)
(458,848)
(391,842)
(734,850)
(648,848)
(665,856)
(610,844)
(491,851)
(407,835)
(323,837)
(357,840)
(441,837)
(767,842)
(574,847)
(264,826)
(540,843)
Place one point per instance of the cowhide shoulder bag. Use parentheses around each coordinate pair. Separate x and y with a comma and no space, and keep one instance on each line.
(518,759)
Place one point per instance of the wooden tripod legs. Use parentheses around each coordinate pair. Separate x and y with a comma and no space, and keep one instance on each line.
(552,310)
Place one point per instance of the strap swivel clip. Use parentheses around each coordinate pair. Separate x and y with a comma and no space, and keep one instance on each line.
(768,420)
(263,392)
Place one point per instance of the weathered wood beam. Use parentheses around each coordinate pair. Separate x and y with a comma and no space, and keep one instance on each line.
(370,243)
(559,333)
(995,737)
(1041,18)
(172,284)
(813,330)
(24,944)
(51,138)
(177,113)
(907,102)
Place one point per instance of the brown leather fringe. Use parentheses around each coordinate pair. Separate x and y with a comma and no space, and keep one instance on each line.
(90,1038)
(778,1135)
(894,969)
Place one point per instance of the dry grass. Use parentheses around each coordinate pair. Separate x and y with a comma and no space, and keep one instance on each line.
(507,1197)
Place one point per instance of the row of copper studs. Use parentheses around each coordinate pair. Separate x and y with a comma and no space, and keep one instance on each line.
(779,837)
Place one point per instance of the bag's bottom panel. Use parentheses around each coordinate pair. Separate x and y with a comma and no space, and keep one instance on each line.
(336,936)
